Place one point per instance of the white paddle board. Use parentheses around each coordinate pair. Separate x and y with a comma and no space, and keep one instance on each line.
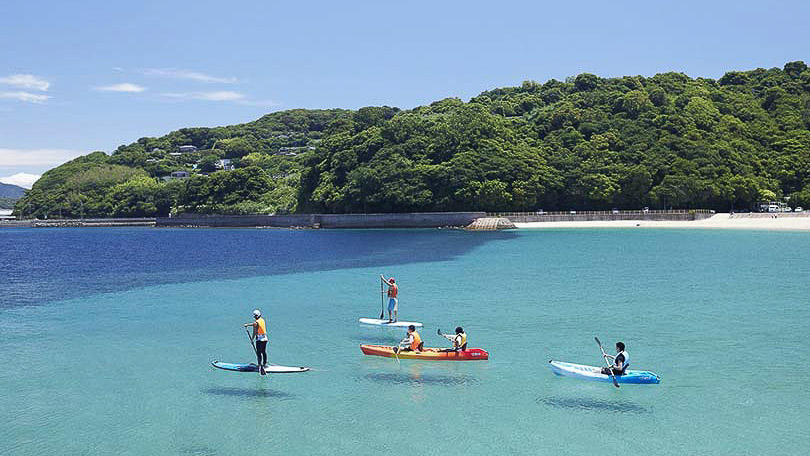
(270,369)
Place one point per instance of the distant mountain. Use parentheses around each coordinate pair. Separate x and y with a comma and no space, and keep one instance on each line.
(11,191)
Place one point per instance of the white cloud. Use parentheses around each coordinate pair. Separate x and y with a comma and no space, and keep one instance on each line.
(23,180)
(188,74)
(26,81)
(25,96)
(122,87)
(36,157)
(223,95)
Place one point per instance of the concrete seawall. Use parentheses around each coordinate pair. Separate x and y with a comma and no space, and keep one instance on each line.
(608,217)
(405,220)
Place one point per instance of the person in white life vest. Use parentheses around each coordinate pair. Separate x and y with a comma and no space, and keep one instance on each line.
(459,339)
(620,361)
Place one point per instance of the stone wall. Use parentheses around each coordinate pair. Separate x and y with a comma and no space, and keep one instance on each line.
(405,220)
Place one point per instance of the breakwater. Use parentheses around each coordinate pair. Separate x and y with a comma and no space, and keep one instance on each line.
(404,220)
(88,222)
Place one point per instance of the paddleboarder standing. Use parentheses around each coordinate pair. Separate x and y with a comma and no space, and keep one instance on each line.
(260,336)
(620,361)
(393,302)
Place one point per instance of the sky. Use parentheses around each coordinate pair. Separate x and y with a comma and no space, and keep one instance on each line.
(76,77)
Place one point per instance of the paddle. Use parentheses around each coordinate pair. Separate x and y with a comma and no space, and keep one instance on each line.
(605,356)
(382,301)
(255,350)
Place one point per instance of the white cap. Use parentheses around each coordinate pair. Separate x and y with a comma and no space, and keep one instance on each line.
(257,313)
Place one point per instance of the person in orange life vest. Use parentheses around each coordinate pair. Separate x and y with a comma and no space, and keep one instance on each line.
(412,341)
(393,302)
(260,336)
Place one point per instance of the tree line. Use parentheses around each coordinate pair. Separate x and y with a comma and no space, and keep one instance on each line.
(586,143)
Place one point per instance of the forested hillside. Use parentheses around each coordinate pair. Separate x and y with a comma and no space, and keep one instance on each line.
(586,143)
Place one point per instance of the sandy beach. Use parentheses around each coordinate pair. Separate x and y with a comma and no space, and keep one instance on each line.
(722,221)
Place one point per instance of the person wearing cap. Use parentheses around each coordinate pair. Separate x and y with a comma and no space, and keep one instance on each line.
(393,303)
(260,336)
(411,342)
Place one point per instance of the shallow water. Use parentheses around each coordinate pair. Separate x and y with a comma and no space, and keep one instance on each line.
(110,334)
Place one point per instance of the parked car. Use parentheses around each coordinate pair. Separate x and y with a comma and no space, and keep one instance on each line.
(798,209)
(788,209)
(645,209)
(573,212)
(615,211)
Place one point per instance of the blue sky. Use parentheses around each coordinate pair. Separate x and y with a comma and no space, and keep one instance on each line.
(82,76)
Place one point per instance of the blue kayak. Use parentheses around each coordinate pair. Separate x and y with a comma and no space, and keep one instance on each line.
(595,374)
(253,367)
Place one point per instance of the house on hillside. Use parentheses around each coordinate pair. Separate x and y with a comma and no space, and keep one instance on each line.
(176,175)
(187,148)
(225,164)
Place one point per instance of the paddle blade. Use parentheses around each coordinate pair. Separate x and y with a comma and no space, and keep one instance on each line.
(598,342)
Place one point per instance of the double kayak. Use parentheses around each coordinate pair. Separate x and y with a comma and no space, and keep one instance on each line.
(393,324)
(595,373)
(434,354)
(253,367)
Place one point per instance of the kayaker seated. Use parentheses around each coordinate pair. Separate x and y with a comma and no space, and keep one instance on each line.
(411,342)
(620,361)
(459,339)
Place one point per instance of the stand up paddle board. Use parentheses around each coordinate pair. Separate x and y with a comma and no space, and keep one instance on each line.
(253,367)
(395,324)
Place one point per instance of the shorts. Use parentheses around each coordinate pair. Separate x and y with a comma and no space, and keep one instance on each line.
(392,304)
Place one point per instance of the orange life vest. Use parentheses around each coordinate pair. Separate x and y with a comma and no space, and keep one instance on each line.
(393,290)
(416,341)
(261,329)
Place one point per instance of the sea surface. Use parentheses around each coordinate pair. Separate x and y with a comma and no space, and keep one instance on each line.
(107,336)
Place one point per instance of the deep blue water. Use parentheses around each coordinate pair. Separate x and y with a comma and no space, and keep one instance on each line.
(42,265)
(108,335)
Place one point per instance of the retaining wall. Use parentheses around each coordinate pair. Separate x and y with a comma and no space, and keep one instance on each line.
(606,217)
(405,220)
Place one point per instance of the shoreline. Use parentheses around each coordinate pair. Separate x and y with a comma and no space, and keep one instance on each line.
(720,221)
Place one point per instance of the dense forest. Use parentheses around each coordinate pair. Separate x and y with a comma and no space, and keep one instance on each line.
(667,141)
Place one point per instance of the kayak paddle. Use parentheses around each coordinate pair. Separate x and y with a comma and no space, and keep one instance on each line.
(255,350)
(605,356)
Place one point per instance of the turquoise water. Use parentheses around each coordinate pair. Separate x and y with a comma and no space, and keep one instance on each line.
(721,316)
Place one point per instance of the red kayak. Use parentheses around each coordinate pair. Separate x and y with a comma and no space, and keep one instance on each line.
(434,354)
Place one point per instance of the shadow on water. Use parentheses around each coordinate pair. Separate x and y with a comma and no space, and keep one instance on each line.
(41,265)
(248,392)
(578,403)
(199,450)
(421,379)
